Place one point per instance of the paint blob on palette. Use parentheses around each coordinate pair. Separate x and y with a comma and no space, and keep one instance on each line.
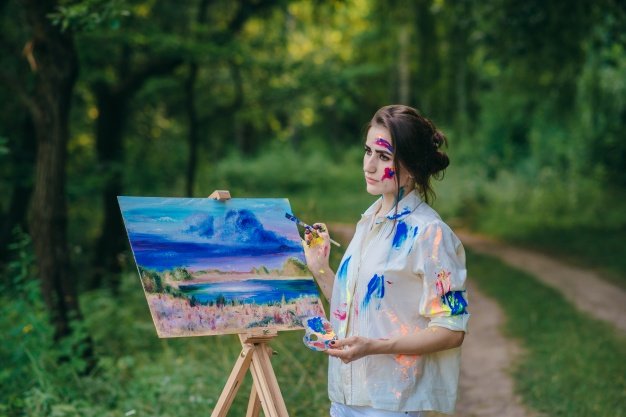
(319,333)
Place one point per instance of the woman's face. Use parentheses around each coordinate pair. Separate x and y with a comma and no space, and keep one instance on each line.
(380,175)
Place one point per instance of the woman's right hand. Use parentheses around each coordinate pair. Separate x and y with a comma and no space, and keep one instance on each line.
(317,249)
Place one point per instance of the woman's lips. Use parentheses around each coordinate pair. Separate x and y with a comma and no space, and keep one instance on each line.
(370,180)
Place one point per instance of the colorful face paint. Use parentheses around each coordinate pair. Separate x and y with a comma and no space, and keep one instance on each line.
(400,236)
(319,333)
(375,288)
(380,141)
(389,173)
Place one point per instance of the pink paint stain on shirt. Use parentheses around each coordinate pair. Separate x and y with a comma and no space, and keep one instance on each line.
(389,173)
(341,315)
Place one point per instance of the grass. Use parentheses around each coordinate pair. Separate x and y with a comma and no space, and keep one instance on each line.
(573,365)
(139,374)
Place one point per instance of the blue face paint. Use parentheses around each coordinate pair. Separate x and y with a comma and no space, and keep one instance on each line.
(400,236)
(343,269)
(456,302)
(375,288)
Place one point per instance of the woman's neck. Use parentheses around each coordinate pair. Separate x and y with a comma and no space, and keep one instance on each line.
(390,200)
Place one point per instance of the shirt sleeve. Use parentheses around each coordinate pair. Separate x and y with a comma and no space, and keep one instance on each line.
(441,263)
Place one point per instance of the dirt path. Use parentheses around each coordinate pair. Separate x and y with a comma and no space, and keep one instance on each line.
(486,388)
(583,288)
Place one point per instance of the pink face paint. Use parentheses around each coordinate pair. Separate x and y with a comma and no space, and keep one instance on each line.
(380,141)
(389,173)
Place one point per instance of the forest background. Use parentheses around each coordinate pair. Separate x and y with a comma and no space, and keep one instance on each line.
(101,98)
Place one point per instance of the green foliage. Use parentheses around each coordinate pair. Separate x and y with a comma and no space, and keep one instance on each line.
(89,14)
(321,184)
(572,365)
(4,150)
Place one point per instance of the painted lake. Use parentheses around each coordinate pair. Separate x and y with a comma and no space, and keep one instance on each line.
(252,291)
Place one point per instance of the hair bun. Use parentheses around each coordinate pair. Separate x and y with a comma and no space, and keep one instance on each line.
(440,162)
(438,139)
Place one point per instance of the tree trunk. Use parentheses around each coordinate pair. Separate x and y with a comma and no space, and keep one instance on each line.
(404,68)
(429,76)
(192,113)
(112,100)
(192,134)
(23,155)
(109,131)
(57,70)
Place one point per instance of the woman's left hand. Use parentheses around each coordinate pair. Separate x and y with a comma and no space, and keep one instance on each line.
(351,348)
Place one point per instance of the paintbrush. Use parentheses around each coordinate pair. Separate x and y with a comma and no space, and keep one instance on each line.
(303,224)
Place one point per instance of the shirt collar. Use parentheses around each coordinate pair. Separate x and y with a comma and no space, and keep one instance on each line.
(406,206)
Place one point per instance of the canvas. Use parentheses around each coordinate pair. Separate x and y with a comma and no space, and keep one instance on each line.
(215,267)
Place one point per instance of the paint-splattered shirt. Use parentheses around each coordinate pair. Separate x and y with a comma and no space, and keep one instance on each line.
(401,274)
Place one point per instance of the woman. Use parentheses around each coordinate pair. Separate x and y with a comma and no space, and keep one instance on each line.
(398,301)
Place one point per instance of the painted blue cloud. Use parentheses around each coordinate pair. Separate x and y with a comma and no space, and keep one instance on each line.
(202,225)
(240,233)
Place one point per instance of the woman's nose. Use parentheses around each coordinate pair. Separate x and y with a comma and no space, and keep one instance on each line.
(368,163)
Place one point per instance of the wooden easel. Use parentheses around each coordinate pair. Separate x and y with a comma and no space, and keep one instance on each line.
(255,356)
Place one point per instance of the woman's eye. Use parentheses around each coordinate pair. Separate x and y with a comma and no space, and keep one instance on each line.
(368,151)
(384,157)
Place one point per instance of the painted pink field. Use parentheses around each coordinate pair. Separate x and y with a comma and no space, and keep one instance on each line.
(175,317)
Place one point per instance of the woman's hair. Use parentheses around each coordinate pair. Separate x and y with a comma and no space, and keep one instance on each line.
(416,142)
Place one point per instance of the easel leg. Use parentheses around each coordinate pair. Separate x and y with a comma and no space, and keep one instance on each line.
(266,384)
(254,403)
(234,381)
(265,391)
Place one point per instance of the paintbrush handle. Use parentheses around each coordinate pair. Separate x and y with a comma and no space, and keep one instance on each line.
(334,243)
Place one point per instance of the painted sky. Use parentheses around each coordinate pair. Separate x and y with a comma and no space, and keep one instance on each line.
(201,233)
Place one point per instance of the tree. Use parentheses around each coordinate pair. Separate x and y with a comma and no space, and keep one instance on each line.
(55,64)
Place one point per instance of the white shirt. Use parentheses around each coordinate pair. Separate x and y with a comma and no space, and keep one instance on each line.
(401,274)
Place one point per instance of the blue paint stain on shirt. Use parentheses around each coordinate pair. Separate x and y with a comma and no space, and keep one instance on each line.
(375,288)
(403,213)
(456,302)
(343,269)
(415,230)
(401,232)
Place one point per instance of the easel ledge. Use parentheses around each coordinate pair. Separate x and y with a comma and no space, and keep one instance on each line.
(255,355)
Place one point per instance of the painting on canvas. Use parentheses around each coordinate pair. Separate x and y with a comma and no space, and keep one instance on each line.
(214,267)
